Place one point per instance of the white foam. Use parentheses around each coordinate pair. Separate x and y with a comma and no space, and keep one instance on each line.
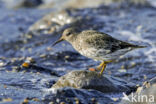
(138,37)
(50,90)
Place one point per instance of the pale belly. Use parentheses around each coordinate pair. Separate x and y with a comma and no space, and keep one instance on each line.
(103,55)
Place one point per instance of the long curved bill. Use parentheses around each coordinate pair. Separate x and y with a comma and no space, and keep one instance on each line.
(58,41)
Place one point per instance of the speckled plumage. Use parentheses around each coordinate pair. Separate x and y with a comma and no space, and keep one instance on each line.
(97,45)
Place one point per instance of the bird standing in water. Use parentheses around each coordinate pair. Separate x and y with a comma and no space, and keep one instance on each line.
(97,45)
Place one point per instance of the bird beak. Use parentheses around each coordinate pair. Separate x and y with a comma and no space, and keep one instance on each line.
(58,41)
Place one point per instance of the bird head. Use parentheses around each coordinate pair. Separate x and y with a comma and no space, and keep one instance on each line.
(67,35)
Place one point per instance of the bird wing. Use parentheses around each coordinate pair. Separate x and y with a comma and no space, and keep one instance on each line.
(105,42)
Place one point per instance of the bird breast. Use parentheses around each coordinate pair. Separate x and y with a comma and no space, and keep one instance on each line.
(83,48)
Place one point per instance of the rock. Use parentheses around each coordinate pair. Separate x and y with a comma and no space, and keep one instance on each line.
(152,81)
(51,22)
(76,96)
(29,3)
(21,3)
(144,95)
(91,80)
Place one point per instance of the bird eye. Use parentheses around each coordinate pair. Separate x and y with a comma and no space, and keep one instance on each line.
(68,33)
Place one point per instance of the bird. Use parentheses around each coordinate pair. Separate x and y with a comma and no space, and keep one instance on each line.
(96,45)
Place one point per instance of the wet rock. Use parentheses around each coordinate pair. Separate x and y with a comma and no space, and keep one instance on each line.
(144,95)
(92,80)
(29,3)
(76,96)
(152,81)
(52,22)
(21,3)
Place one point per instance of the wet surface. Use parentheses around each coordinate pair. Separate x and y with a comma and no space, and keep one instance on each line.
(20,40)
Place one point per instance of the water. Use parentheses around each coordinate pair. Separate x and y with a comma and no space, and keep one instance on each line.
(135,24)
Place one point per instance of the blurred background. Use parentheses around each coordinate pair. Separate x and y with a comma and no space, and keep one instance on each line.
(29,64)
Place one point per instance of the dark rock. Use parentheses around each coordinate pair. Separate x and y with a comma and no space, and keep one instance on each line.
(77,96)
(29,3)
(145,94)
(21,3)
(92,80)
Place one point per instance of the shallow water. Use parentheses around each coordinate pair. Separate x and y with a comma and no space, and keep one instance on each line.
(135,24)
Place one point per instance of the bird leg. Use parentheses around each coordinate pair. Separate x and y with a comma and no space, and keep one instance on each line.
(100,66)
(103,68)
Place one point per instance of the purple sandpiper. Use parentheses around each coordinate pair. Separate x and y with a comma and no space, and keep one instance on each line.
(97,45)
